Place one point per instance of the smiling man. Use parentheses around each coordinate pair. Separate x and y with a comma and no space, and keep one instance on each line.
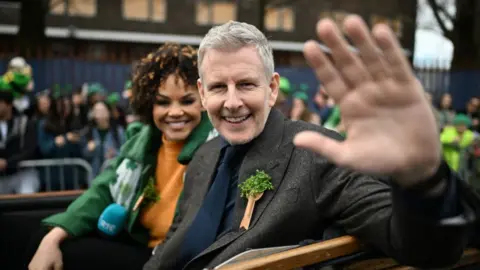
(421,218)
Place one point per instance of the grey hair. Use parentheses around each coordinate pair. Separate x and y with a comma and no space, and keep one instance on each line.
(236,35)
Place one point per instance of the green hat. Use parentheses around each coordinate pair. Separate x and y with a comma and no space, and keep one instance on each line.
(285,86)
(113,98)
(462,119)
(301,95)
(95,88)
(128,85)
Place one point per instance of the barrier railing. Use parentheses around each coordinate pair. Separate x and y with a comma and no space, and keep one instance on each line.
(48,164)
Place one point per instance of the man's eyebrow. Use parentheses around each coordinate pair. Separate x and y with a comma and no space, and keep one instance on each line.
(248,78)
(214,83)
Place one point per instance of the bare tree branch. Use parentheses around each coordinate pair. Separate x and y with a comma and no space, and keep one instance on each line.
(436,12)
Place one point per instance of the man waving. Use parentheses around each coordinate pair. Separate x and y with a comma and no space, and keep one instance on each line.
(312,179)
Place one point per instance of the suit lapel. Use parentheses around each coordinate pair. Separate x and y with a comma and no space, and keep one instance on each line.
(270,153)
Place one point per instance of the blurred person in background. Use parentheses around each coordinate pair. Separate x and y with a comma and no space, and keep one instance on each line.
(146,177)
(456,140)
(300,109)
(282,102)
(79,114)
(95,93)
(57,139)
(473,111)
(104,137)
(118,114)
(42,105)
(323,104)
(446,112)
(130,116)
(18,142)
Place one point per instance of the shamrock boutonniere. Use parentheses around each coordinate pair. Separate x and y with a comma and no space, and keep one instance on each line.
(253,189)
(149,195)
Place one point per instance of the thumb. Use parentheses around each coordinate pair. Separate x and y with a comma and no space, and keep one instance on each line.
(327,147)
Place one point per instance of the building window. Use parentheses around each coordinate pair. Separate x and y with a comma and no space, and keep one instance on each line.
(145,10)
(395,24)
(80,8)
(218,12)
(337,16)
(279,19)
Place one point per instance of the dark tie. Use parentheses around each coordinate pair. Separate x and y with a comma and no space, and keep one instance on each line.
(204,228)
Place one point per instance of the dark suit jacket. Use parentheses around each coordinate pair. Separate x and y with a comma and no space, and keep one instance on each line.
(311,194)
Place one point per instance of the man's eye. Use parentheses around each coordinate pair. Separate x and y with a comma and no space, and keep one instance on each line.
(246,85)
(217,87)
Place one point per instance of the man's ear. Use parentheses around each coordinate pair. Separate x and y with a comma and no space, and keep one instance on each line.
(274,88)
(201,91)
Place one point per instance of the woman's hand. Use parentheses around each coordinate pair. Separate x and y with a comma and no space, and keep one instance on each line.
(59,141)
(91,146)
(48,255)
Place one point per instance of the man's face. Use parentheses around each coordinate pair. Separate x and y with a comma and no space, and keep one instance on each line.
(236,93)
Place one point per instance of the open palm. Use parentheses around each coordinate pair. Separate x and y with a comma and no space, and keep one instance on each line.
(390,127)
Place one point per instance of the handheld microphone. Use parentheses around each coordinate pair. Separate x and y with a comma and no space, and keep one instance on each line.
(112,219)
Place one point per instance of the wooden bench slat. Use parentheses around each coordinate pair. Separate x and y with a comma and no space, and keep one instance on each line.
(306,255)
(42,194)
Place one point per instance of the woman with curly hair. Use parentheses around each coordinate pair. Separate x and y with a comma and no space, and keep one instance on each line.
(130,206)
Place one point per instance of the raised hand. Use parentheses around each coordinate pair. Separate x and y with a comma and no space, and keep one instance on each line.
(390,127)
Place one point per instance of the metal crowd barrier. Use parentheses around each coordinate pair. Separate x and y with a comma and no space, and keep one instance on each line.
(48,164)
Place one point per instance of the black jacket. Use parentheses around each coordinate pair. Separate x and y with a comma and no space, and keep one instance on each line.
(20,143)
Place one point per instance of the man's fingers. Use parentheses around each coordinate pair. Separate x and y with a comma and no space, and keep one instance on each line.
(323,145)
(396,61)
(325,71)
(371,55)
(58,266)
(347,62)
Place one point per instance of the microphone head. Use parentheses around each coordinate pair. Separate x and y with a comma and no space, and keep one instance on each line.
(112,219)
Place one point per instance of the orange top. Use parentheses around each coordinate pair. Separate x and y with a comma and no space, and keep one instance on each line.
(158,218)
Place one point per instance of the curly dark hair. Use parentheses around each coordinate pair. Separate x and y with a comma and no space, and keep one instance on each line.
(154,69)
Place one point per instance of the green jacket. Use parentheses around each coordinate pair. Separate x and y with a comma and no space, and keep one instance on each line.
(452,151)
(82,215)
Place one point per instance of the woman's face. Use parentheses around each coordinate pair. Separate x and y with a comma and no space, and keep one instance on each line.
(100,114)
(177,109)
(43,104)
(297,109)
(446,101)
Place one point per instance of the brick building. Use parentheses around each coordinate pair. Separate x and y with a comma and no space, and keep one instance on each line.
(122,30)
